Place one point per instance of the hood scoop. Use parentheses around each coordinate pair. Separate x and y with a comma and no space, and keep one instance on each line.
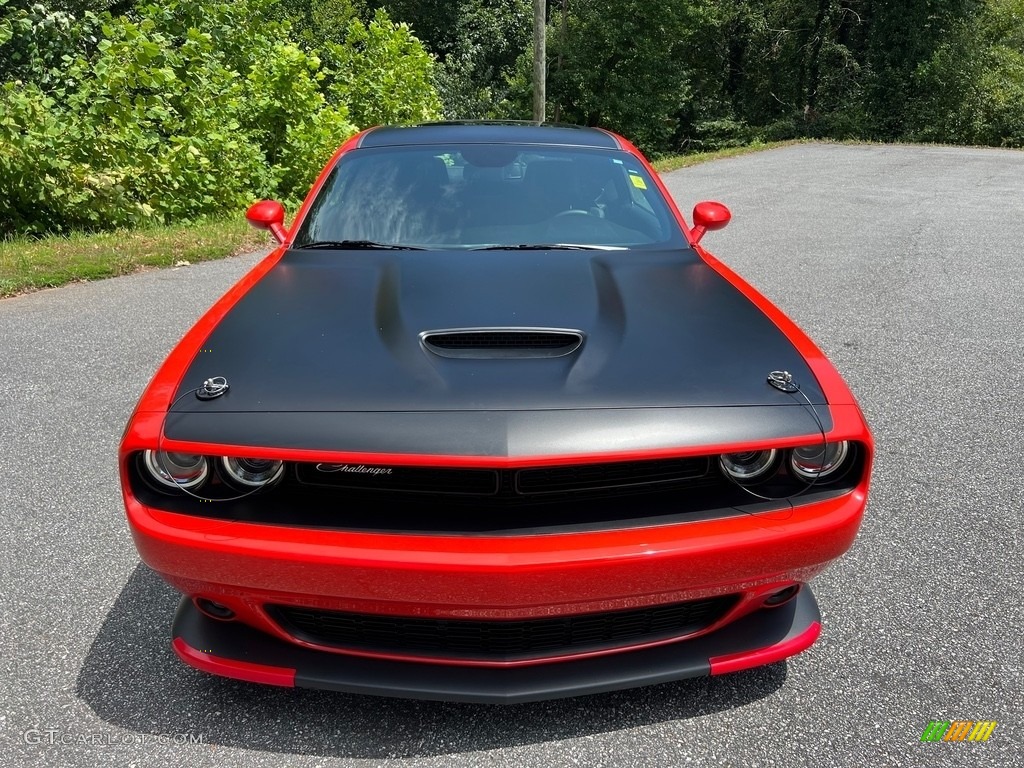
(502,343)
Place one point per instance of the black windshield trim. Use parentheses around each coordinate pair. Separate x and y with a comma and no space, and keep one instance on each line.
(548,247)
(355,245)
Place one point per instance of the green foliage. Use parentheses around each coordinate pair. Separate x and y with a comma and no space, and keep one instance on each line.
(382,73)
(476,43)
(34,39)
(625,65)
(316,22)
(1002,88)
(32,159)
(185,110)
(290,118)
(473,78)
(724,133)
(74,7)
(971,90)
(433,21)
(904,36)
(785,67)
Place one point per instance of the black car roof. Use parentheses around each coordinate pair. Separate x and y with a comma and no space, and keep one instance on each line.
(489,132)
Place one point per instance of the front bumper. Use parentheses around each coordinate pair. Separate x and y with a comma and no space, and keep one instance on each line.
(234,650)
(246,566)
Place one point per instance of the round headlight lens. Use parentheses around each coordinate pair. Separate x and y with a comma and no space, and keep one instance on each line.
(253,473)
(820,460)
(177,470)
(749,465)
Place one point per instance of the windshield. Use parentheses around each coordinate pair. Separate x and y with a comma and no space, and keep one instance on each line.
(489,196)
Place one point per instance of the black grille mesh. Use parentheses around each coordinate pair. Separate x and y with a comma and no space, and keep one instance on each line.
(500,640)
(589,477)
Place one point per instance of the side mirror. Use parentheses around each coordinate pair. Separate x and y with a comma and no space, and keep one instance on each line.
(708,215)
(268,214)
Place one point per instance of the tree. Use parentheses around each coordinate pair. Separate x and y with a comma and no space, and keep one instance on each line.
(381,73)
(904,36)
(476,43)
(626,65)
(971,89)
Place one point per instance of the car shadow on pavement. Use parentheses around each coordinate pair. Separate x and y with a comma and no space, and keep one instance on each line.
(132,679)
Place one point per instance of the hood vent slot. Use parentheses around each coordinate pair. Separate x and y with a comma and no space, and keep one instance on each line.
(502,343)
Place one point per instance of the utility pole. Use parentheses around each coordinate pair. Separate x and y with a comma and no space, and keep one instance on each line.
(562,44)
(539,59)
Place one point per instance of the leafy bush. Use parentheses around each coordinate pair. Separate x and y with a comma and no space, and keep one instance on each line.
(720,134)
(481,55)
(37,179)
(184,110)
(34,40)
(159,124)
(288,116)
(476,44)
(382,73)
(626,66)
(315,22)
(971,90)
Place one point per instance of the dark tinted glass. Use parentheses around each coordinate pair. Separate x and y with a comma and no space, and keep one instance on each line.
(485,195)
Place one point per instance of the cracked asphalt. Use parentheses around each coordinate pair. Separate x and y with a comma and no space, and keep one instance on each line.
(904,263)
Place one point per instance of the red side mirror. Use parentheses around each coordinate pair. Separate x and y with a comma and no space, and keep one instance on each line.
(708,215)
(268,214)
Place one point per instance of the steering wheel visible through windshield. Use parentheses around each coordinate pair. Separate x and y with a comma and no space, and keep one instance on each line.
(489,196)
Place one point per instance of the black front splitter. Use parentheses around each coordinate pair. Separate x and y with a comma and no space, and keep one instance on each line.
(235,650)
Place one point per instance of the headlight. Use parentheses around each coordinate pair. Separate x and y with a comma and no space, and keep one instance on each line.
(749,465)
(177,470)
(254,473)
(819,460)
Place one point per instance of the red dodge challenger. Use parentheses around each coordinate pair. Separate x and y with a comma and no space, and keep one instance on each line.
(490,425)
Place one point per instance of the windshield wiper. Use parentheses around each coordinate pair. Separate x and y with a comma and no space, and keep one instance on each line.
(355,245)
(549,247)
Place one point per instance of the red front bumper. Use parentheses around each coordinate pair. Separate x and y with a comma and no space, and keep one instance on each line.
(246,566)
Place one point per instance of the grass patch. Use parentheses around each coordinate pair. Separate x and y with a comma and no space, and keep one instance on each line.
(28,265)
(675,162)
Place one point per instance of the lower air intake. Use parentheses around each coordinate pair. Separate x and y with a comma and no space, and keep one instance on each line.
(500,640)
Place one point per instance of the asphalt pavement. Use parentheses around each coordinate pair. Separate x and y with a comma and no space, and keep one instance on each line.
(903,263)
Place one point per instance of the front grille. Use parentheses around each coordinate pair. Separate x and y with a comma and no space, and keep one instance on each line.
(502,342)
(625,474)
(507,484)
(499,640)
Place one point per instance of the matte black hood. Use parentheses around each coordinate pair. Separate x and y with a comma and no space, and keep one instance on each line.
(331,332)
